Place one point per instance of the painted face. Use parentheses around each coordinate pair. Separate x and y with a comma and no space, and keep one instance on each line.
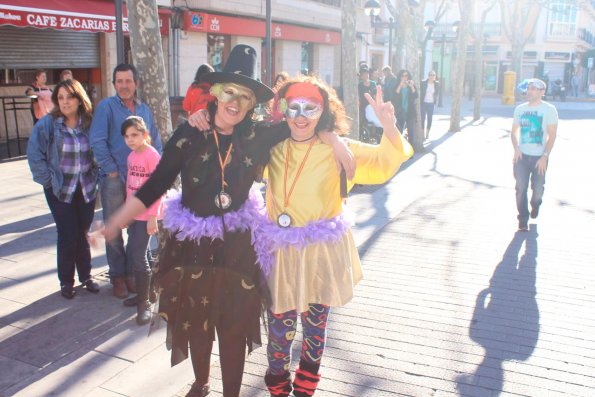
(230,92)
(303,107)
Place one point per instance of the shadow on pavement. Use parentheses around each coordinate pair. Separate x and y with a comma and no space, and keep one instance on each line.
(28,224)
(505,321)
(52,333)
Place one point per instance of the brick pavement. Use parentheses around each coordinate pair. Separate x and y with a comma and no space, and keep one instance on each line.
(455,301)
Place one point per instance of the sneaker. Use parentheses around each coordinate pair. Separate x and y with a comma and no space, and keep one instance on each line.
(534,212)
(91,286)
(523,226)
(67,291)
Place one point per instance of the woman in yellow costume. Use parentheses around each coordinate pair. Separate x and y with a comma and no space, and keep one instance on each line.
(314,263)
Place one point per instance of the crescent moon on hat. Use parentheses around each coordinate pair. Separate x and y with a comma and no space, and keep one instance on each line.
(245,285)
(238,72)
(247,50)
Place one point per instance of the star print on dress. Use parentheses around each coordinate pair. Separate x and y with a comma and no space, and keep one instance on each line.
(204,301)
(186,325)
(205,157)
(248,161)
(205,134)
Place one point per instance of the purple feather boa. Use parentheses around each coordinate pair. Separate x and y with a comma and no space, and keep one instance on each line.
(266,236)
(270,237)
(188,226)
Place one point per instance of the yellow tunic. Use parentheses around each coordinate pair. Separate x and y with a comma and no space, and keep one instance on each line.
(322,272)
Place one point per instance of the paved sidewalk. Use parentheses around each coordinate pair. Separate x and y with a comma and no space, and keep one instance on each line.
(455,301)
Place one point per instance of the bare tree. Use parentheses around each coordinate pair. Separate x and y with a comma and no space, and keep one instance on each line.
(440,11)
(349,69)
(147,55)
(466,8)
(409,19)
(477,59)
(519,21)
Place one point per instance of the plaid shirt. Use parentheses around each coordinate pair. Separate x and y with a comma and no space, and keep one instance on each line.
(76,164)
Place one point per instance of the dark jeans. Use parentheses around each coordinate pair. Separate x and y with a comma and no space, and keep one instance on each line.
(72,223)
(525,171)
(427,111)
(136,250)
(113,196)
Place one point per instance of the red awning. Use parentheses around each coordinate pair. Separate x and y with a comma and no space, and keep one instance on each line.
(84,15)
(222,24)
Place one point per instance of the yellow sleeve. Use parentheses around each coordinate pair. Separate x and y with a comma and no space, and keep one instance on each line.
(377,164)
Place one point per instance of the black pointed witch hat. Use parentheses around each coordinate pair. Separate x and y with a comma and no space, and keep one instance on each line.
(240,68)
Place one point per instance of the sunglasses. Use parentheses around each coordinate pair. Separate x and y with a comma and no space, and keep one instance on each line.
(303,107)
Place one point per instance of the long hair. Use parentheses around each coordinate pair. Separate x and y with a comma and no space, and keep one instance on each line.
(202,70)
(74,88)
(333,117)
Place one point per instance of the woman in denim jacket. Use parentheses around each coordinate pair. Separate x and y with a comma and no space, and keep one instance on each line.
(61,161)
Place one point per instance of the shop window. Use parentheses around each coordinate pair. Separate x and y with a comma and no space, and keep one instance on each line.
(218,48)
(562,18)
(307,57)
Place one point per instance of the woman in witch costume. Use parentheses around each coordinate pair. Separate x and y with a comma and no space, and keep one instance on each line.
(315,262)
(209,277)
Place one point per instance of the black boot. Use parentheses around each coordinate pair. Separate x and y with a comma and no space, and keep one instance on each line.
(143,306)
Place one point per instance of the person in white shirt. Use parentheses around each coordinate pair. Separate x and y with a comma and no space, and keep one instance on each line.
(430,89)
(533,134)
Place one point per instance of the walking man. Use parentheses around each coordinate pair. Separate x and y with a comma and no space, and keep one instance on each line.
(111,153)
(533,135)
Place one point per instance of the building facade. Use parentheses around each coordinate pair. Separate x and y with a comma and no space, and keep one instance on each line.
(560,47)
(81,35)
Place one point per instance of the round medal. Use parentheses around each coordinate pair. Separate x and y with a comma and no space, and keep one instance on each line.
(284,220)
(223,200)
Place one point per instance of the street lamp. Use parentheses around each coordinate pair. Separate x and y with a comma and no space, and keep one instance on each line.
(429,28)
(372,9)
(455,28)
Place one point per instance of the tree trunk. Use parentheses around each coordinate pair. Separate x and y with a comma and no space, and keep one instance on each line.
(519,22)
(478,73)
(478,61)
(409,25)
(349,68)
(466,8)
(147,55)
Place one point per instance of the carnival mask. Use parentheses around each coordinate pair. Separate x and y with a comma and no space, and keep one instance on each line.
(303,107)
(229,92)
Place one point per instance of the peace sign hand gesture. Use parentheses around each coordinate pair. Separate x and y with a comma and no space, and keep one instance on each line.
(384,110)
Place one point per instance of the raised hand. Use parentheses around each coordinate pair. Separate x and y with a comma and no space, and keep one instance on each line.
(384,110)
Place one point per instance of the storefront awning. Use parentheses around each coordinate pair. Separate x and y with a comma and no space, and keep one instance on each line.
(82,15)
(222,24)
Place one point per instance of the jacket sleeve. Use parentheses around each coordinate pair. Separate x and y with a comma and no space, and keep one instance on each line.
(37,149)
(188,100)
(99,137)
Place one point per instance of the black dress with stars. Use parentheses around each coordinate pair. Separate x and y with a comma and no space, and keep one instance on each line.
(214,283)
